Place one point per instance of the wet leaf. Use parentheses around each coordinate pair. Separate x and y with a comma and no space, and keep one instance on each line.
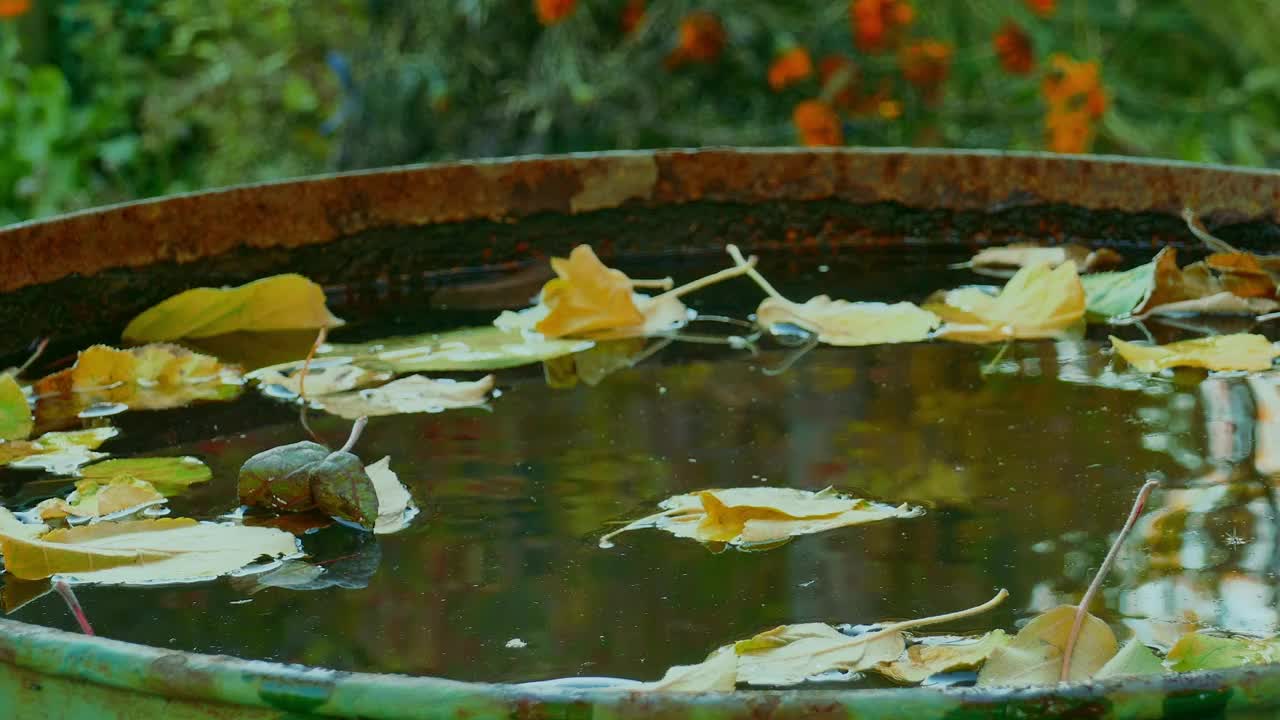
(60,453)
(342,488)
(838,322)
(659,314)
(15,413)
(280,302)
(479,349)
(1037,302)
(141,551)
(352,568)
(1133,659)
(587,296)
(94,499)
(1201,651)
(1115,295)
(941,654)
(324,376)
(1241,274)
(747,517)
(791,654)
(151,377)
(1223,303)
(1025,255)
(395,504)
(306,475)
(1240,351)
(1034,656)
(168,475)
(718,673)
(413,394)
(1202,288)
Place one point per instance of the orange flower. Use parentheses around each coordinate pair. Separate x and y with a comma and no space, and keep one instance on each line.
(702,39)
(1013,47)
(632,15)
(839,77)
(789,68)
(1043,8)
(817,124)
(1076,100)
(14,8)
(926,64)
(551,12)
(876,23)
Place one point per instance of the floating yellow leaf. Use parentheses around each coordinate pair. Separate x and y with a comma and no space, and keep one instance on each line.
(791,654)
(941,654)
(15,413)
(1037,302)
(482,348)
(413,394)
(324,376)
(141,551)
(151,377)
(168,475)
(747,517)
(280,302)
(1034,656)
(57,452)
(395,505)
(1023,255)
(838,322)
(94,499)
(587,297)
(1240,351)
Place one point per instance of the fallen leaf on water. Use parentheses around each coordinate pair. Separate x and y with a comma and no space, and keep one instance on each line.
(60,453)
(1025,255)
(324,376)
(141,551)
(413,394)
(478,349)
(1224,284)
(587,296)
(1240,351)
(168,475)
(1034,656)
(1201,651)
(15,413)
(1117,295)
(1223,303)
(280,302)
(1037,302)
(1132,659)
(747,517)
(839,322)
(351,567)
(395,504)
(941,654)
(791,654)
(151,377)
(718,673)
(94,499)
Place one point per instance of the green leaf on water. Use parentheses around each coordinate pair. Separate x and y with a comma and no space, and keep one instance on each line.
(482,348)
(1113,295)
(15,413)
(1133,659)
(169,475)
(1201,651)
(342,488)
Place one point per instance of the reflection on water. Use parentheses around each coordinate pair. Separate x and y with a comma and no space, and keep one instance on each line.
(1027,458)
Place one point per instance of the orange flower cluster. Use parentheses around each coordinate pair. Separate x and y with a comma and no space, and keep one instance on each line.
(817,124)
(14,8)
(1075,98)
(632,16)
(789,68)
(926,64)
(877,23)
(551,12)
(1013,47)
(702,39)
(1043,8)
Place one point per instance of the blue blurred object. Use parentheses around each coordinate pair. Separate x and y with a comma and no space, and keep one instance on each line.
(341,67)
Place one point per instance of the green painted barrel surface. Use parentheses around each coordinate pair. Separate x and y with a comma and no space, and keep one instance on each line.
(98,268)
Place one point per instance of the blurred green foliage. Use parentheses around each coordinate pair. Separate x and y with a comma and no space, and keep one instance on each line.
(108,100)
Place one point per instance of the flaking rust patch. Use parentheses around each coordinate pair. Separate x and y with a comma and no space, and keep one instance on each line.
(608,184)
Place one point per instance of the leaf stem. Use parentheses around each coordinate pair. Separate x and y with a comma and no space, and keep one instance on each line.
(35,355)
(665,283)
(711,279)
(1083,608)
(69,597)
(1198,229)
(947,617)
(302,382)
(356,429)
(752,273)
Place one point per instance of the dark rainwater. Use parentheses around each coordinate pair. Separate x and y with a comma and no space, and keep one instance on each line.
(1027,459)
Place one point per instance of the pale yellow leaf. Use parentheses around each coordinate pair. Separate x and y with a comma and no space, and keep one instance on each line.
(791,654)
(1037,302)
(413,394)
(395,504)
(92,499)
(325,376)
(718,673)
(746,517)
(280,302)
(57,452)
(1239,351)
(1034,656)
(1023,255)
(941,654)
(167,550)
(838,322)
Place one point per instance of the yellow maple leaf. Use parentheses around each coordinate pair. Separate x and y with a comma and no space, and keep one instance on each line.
(1238,351)
(1037,302)
(587,296)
